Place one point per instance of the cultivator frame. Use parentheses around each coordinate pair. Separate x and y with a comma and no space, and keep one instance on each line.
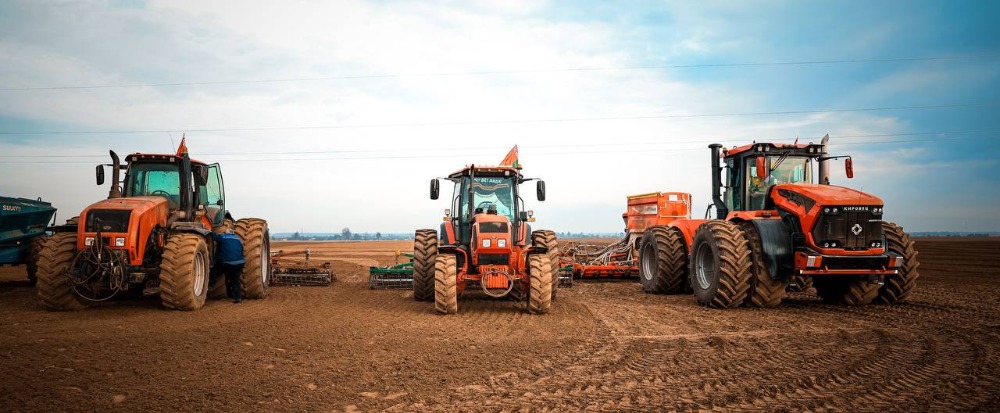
(288,269)
(392,277)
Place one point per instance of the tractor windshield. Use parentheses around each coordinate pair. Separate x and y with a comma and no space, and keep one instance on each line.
(154,179)
(787,170)
(488,191)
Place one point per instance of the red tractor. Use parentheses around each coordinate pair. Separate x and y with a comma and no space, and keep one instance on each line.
(484,243)
(778,230)
(152,235)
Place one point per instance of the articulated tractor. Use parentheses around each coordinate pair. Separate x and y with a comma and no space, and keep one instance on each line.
(486,242)
(778,229)
(152,235)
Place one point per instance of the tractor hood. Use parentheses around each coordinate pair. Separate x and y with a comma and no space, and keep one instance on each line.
(115,214)
(830,194)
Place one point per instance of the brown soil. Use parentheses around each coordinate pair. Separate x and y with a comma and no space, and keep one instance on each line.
(605,346)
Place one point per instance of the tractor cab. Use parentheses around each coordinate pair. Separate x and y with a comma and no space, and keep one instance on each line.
(751,170)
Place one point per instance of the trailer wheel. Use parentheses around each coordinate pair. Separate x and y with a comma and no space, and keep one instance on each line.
(802,284)
(55,288)
(662,261)
(184,270)
(720,265)
(256,237)
(35,246)
(547,239)
(764,291)
(899,286)
(540,284)
(425,251)
(845,290)
(446,284)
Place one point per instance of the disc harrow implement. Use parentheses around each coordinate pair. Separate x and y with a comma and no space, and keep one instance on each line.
(289,268)
(397,276)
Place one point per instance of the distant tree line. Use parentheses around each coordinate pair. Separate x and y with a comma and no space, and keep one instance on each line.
(345,235)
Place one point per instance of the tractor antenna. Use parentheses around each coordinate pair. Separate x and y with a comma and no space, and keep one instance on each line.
(173,148)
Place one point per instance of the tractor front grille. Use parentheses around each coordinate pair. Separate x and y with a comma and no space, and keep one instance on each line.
(851,228)
(108,220)
(494,259)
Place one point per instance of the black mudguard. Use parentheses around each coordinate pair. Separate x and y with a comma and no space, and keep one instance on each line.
(776,245)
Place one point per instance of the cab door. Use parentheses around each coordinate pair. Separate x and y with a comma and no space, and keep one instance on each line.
(215,200)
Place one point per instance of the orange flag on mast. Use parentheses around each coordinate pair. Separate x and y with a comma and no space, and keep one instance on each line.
(511,159)
(183,148)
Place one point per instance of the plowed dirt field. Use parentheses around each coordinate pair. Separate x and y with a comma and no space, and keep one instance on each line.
(606,346)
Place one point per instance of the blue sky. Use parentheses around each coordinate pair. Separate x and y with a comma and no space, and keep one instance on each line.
(947,183)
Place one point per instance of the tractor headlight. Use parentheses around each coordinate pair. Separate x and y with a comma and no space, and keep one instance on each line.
(88,241)
(501,243)
(486,243)
(119,242)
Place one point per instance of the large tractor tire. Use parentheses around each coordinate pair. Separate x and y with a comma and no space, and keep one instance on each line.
(55,288)
(720,265)
(35,247)
(663,261)
(539,284)
(845,290)
(765,291)
(547,239)
(425,252)
(184,271)
(899,286)
(256,239)
(803,284)
(446,284)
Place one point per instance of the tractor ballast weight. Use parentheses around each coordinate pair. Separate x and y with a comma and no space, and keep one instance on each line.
(777,231)
(486,243)
(152,235)
(620,259)
(23,226)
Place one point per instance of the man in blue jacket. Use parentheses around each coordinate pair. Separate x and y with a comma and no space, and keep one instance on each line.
(229,261)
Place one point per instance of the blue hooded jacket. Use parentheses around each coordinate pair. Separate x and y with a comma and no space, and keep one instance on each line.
(229,249)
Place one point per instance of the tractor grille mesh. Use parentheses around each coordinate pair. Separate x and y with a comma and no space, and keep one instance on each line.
(108,220)
(853,230)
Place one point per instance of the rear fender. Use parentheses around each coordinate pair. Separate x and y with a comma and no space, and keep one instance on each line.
(190,227)
(776,247)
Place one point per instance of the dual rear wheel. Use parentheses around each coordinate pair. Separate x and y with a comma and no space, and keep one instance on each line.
(726,269)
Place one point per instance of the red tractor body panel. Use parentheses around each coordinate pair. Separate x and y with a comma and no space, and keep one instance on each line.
(145,214)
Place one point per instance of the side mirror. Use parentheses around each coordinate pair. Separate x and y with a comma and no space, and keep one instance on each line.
(100,175)
(435,188)
(201,176)
(540,190)
(761,167)
(849,167)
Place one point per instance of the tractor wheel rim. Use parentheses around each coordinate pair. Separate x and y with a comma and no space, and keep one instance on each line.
(648,258)
(705,266)
(199,274)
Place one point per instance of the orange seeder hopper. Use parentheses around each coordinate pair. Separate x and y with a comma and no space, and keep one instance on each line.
(618,260)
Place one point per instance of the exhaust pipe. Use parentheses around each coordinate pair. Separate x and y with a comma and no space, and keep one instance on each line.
(721,211)
(187,201)
(824,164)
(116,165)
